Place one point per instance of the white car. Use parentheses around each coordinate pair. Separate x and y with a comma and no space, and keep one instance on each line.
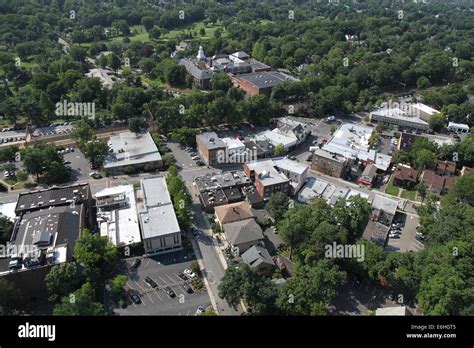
(199,310)
(189,273)
(6,174)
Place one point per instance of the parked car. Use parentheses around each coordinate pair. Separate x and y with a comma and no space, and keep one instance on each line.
(196,158)
(293,158)
(169,292)
(151,282)
(199,310)
(394,236)
(200,163)
(330,118)
(189,273)
(187,288)
(135,298)
(136,263)
(195,231)
(182,276)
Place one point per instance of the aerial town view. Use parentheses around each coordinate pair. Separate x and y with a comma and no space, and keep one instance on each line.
(210,158)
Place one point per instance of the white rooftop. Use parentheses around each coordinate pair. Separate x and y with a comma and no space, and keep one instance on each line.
(425,108)
(119,225)
(7,210)
(397,310)
(458,125)
(129,149)
(155,191)
(233,144)
(103,75)
(276,138)
(319,188)
(156,213)
(290,165)
(399,114)
(266,172)
(385,204)
(349,140)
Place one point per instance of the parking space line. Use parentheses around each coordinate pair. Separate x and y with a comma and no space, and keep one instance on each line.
(180,289)
(174,281)
(149,297)
(188,312)
(157,294)
(164,281)
(139,285)
(131,287)
(146,265)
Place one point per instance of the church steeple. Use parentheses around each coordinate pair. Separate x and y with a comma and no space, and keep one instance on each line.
(201,55)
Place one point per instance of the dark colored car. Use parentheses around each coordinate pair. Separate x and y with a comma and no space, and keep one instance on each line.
(135,299)
(182,276)
(136,263)
(169,292)
(195,232)
(151,282)
(187,288)
(200,163)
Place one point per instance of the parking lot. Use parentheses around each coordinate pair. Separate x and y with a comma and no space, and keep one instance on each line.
(79,164)
(53,129)
(406,241)
(154,301)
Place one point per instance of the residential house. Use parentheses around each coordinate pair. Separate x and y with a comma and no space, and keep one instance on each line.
(405,176)
(232,212)
(258,258)
(243,234)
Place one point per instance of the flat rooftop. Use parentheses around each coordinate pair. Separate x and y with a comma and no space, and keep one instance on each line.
(156,213)
(397,113)
(49,227)
(210,140)
(264,78)
(285,163)
(221,181)
(267,173)
(349,140)
(119,225)
(129,148)
(53,196)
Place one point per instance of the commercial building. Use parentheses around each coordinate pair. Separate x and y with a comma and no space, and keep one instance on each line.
(458,127)
(368,175)
(329,164)
(220,189)
(275,138)
(48,223)
(130,149)
(423,111)
(384,209)
(210,147)
(158,223)
(400,118)
(315,188)
(276,175)
(117,215)
(376,233)
(260,82)
(201,76)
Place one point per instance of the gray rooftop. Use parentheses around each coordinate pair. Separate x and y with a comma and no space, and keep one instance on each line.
(264,78)
(157,215)
(194,70)
(256,256)
(211,140)
(243,231)
(129,148)
(220,181)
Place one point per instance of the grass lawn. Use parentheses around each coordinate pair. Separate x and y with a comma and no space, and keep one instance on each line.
(409,194)
(162,85)
(140,34)
(391,189)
